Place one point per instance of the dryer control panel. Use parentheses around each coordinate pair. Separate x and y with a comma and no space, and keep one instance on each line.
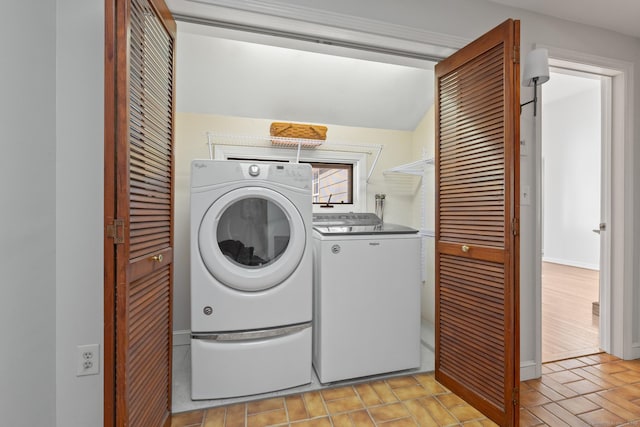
(204,172)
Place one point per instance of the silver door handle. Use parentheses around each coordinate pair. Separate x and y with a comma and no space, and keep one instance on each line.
(601,227)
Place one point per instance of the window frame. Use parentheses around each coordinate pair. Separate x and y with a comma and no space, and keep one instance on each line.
(357,160)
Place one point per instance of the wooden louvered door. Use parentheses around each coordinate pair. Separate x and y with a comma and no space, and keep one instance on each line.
(477,174)
(139,209)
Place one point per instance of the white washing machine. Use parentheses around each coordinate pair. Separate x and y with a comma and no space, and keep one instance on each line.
(251,277)
(367,296)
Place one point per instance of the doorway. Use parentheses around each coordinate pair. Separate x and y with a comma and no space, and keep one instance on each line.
(574,146)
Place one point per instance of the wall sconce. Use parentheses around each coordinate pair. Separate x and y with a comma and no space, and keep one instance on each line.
(536,71)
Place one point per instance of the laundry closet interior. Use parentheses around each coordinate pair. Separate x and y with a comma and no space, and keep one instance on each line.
(378,112)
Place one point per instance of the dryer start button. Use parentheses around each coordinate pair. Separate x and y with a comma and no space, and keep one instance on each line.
(254,170)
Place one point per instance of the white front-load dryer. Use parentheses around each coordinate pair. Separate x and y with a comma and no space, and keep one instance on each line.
(251,277)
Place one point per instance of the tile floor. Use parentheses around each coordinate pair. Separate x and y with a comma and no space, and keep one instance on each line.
(182,377)
(400,401)
(598,390)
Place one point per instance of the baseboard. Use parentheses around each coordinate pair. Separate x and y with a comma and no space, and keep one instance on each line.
(181,337)
(635,351)
(528,370)
(570,263)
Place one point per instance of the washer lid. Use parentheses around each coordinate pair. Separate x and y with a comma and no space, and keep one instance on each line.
(252,238)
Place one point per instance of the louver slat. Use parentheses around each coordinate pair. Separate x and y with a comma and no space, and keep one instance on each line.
(150,129)
(475,161)
(476,352)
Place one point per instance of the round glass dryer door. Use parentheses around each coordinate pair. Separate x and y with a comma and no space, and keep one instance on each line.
(252,238)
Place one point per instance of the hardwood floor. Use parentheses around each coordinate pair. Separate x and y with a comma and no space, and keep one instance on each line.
(569,329)
(597,390)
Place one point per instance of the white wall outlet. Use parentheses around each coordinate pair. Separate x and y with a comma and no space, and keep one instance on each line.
(525,195)
(524,147)
(88,360)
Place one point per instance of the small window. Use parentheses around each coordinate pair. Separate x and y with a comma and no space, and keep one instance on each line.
(332,182)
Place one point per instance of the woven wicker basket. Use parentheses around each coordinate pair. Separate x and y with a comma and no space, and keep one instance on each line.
(298,131)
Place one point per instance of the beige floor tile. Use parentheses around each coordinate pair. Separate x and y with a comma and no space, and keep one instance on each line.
(564,377)
(187,419)
(314,403)
(404,422)
(384,392)
(361,419)
(450,400)
(420,413)
(368,394)
(584,387)
(342,420)
(388,412)
(571,364)
(401,382)
(263,419)
(439,413)
(527,419)
(296,408)
(411,392)
(337,393)
(315,422)
(565,415)
(214,417)
(533,398)
(236,415)
(578,405)
(347,404)
(265,405)
(602,417)
(466,413)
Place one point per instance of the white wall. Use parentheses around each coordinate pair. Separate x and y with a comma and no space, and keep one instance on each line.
(571,196)
(28,214)
(423,147)
(79,206)
(191,130)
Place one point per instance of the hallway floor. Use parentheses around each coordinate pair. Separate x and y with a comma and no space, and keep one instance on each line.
(568,333)
(597,390)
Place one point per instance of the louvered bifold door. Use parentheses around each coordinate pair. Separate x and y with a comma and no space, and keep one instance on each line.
(477,163)
(145,202)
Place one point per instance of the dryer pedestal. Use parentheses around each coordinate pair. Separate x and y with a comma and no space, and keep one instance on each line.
(222,369)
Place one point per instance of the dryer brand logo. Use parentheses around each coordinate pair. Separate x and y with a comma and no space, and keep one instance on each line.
(199,165)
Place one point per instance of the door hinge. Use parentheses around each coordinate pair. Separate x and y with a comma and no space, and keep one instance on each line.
(115,231)
(516,54)
(514,226)
(515,396)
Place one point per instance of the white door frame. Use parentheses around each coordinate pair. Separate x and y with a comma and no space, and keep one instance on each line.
(616,302)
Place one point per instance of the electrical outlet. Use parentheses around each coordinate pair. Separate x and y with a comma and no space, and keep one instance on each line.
(88,359)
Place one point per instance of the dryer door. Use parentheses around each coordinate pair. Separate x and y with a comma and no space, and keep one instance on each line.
(252,238)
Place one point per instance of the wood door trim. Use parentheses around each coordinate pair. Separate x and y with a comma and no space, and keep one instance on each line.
(109,214)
